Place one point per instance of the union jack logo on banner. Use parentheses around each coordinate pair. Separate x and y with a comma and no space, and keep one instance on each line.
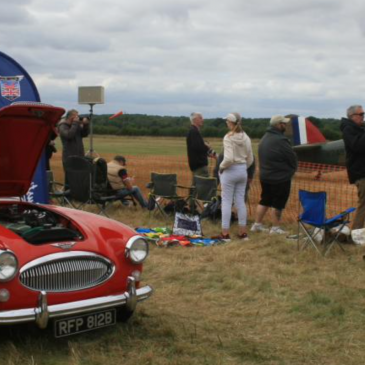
(10,87)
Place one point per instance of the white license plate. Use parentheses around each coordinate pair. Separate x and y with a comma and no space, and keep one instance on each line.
(83,323)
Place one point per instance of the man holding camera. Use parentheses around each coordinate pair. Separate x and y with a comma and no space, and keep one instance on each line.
(198,150)
(72,130)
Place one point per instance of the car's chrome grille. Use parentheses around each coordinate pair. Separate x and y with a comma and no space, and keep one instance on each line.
(66,272)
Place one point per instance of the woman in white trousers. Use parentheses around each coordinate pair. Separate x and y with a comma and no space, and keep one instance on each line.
(238,157)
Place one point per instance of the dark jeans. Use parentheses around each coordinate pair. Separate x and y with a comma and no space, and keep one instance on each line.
(137,194)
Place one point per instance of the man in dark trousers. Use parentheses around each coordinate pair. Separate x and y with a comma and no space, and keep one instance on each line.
(353,133)
(198,150)
(72,130)
(277,163)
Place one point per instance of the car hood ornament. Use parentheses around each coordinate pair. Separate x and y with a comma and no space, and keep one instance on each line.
(64,245)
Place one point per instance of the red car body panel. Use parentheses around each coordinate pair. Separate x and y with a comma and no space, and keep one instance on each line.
(24,131)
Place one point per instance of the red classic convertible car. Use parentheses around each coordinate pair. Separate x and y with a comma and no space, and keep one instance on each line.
(63,267)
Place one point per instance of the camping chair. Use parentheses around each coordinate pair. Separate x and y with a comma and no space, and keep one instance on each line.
(79,173)
(103,194)
(57,192)
(204,196)
(313,226)
(84,186)
(163,191)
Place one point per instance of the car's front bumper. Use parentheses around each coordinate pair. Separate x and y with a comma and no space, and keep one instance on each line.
(43,312)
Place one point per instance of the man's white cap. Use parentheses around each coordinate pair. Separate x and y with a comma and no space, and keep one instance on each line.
(231,118)
(276,119)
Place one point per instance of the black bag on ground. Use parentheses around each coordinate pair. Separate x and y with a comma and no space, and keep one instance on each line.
(213,209)
(174,206)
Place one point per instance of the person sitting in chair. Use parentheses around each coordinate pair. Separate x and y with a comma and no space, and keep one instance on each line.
(121,182)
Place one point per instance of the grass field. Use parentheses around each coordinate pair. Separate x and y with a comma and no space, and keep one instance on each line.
(136,146)
(255,302)
(141,145)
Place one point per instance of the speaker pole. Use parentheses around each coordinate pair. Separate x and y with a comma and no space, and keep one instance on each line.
(91,150)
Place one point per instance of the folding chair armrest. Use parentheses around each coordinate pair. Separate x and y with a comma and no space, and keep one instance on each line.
(183,187)
(340,216)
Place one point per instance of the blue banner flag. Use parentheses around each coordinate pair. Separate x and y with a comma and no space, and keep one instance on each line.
(16,86)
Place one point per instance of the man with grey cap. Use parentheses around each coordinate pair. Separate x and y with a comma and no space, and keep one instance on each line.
(278,163)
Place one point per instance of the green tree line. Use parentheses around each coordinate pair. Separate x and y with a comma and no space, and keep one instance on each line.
(153,125)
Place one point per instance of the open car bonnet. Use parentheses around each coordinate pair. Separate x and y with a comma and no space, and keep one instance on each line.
(24,132)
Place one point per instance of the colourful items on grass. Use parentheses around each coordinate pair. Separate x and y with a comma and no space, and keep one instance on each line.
(162,237)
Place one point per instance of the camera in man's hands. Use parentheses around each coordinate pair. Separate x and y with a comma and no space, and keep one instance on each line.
(83,119)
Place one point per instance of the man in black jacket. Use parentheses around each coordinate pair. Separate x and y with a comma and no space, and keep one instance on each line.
(198,150)
(278,163)
(353,133)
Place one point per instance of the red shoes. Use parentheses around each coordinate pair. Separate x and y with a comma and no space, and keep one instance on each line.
(243,237)
(221,236)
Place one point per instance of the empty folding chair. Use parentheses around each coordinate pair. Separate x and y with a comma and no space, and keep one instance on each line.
(84,186)
(79,172)
(314,228)
(163,191)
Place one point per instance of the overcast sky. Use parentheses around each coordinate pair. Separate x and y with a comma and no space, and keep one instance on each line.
(172,57)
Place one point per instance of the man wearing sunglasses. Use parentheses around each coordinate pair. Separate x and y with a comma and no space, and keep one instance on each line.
(353,133)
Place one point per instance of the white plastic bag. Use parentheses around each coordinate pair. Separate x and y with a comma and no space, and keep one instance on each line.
(318,234)
(345,230)
(358,236)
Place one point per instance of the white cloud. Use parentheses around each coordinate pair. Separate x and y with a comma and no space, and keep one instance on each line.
(171,57)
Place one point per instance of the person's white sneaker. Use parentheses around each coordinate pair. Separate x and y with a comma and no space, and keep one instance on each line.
(258,227)
(277,230)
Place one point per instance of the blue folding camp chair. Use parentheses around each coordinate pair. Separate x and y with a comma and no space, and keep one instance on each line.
(313,226)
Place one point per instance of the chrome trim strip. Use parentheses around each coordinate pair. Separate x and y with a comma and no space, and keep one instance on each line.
(39,314)
(61,255)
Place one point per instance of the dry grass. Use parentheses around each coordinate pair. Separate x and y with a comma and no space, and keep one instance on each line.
(258,302)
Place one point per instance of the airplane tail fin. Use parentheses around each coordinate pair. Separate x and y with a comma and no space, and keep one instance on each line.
(304,132)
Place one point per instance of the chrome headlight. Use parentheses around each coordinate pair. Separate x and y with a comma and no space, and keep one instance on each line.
(136,249)
(8,265)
